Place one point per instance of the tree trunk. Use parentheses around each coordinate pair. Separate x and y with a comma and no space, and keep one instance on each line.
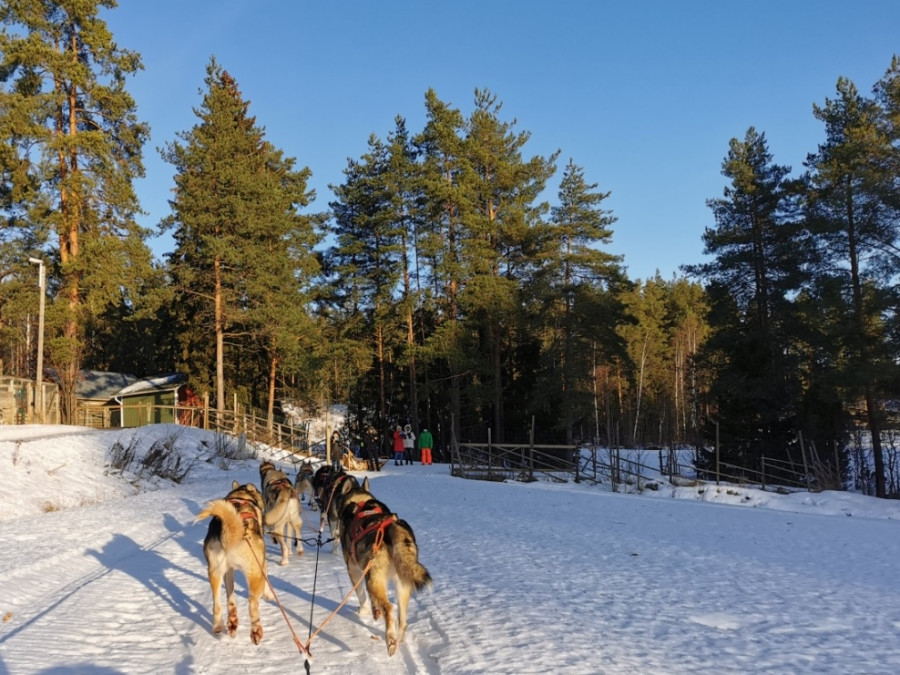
(273,369)
(872,411)
(413,386)
(640,389)
(220,340)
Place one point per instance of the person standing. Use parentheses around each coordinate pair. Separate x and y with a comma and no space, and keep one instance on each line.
(409,442)
(371,450)
(426,442)
(398,446)
(336,453)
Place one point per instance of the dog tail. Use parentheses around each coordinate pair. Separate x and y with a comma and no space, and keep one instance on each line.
(405,555)
(232,525)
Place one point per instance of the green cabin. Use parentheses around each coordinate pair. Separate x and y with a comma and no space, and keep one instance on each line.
(150,400)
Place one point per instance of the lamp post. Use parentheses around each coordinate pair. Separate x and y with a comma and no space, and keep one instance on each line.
(39,375)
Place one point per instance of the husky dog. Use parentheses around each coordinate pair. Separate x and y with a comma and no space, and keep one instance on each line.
(370,533)
(304,486)
(265,467)
(330,486)
(235,541)
(282,509)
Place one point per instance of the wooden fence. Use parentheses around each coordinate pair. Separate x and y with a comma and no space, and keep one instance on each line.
(291,442)
(486,461)
(620,468)
(19,403)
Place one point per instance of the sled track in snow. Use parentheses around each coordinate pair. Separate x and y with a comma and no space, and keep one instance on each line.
(44,603)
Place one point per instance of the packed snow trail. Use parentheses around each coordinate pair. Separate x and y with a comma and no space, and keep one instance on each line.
(530,578)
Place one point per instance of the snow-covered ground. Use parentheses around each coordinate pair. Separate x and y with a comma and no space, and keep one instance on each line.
(103,573)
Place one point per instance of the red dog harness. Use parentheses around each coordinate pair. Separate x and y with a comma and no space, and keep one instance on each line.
(359,529)
(245,515)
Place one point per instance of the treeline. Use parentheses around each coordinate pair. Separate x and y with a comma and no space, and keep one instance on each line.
(439,287)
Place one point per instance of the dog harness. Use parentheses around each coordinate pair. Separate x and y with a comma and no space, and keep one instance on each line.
(367,511)
(245,515)
(335,484)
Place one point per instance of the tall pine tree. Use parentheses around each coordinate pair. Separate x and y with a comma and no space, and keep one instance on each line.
(849,207)
(243,253)
(757,257)
(578,284)
(501,229)
(74,144)
(367,264)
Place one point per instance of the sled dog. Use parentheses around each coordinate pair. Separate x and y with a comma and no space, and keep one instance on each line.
(304,486)
(282,509)
(370,533)
(331,485)
(234,541)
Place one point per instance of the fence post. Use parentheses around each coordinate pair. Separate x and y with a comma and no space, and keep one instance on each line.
(717,452)
(805,467)
(576,454)
(454,450)
(762,477)
(837,466)
(490,457)
(531,451)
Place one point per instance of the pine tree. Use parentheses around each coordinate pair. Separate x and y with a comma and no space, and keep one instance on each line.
(850,182)
(574,270)
(242,250)
(499,243)
(758,253)
(367,261)
(446,174)
(402,182)
(73,144)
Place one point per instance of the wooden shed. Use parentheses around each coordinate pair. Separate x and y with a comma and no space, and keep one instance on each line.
(151,400)
(93,392)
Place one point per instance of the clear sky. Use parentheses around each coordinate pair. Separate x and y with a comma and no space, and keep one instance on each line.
(644,95)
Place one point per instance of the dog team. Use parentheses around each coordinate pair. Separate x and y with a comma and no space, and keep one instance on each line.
(377,545)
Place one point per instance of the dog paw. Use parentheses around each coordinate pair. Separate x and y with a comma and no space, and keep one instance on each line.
(256,634)
(283,562)
(392,645)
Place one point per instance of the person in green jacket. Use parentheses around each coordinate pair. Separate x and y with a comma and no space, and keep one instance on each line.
(426,442)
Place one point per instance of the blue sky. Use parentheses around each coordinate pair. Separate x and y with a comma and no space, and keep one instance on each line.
(643,95)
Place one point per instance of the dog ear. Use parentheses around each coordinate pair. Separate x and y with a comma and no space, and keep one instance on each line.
(235,485)
(365,484)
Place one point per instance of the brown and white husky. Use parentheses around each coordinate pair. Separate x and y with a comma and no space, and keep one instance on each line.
(234,541)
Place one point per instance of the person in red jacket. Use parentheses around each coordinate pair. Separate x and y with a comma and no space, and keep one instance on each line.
(398,446)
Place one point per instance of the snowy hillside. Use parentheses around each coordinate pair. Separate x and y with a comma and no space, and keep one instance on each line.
(102,572)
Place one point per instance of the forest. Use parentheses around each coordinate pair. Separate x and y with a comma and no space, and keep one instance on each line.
(439,287)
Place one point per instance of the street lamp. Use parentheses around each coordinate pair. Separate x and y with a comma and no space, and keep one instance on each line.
(39,375)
